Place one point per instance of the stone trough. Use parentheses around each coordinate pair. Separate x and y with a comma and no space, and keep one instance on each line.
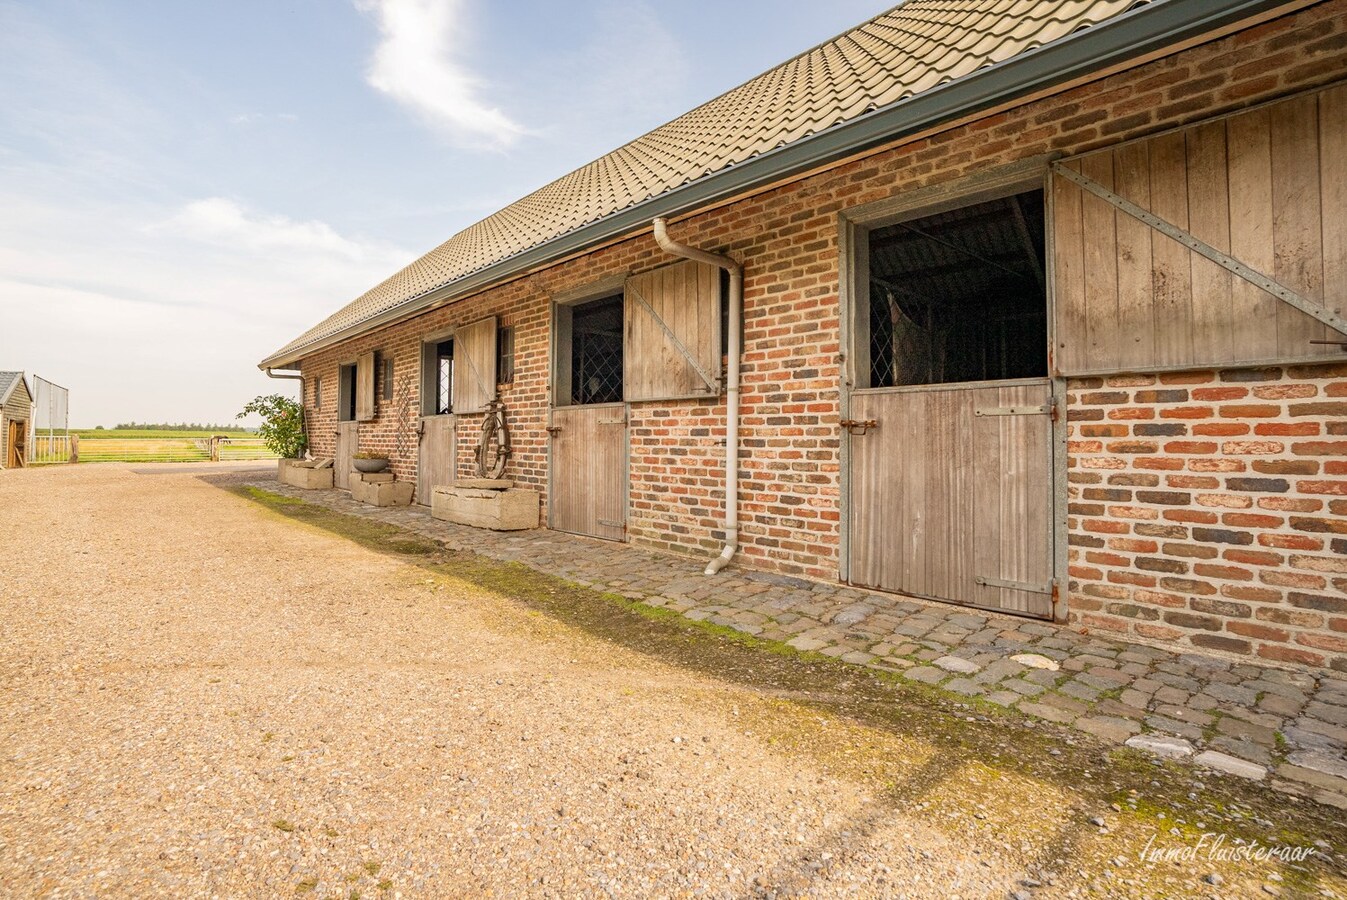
(486,503)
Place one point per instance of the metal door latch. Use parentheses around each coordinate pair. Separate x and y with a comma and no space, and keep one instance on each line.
(554,430)
(852,424)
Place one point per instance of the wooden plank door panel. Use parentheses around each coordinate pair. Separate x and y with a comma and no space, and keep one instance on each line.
(348,438)
(589,471)
(436,464)
(951,497)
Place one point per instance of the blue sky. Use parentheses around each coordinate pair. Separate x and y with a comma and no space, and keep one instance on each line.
(188,184)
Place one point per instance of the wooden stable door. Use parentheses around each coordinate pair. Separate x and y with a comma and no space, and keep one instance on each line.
(589,470)
(348,438)
(435,463)
(18,443)
(951,494)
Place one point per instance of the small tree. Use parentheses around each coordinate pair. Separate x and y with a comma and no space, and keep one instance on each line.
(282,424)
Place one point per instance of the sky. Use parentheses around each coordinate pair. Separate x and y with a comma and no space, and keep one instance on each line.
(187,185)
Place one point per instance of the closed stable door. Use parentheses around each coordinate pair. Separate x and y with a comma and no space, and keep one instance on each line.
(589,470)
(951,495)
(343,459)
(588,466)
(435,456)
(950,431)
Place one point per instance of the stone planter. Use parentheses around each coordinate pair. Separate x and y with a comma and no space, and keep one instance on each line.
(304,473)
(369,465)
(486,504)
(380,489)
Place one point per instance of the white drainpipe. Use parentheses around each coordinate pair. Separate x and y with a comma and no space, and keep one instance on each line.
(668,245)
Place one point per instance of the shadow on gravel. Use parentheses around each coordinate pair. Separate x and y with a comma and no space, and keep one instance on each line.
(1151,799)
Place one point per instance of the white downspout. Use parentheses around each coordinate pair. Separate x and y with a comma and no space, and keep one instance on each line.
(668,245)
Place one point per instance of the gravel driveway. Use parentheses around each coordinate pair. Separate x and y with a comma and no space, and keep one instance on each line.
(199,697)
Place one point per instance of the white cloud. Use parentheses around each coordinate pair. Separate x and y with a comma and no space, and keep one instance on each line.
(415,64)
(162,314)
(252,118)
(223,222)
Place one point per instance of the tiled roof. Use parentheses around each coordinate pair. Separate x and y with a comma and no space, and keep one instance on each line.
(7,382)
(912,48)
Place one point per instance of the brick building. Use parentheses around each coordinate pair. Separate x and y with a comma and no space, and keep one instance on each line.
(1041,313)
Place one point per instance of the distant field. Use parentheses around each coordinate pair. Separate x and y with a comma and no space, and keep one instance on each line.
(108,434)
(166,446)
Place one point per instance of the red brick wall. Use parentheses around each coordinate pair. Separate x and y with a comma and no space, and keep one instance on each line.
(787,240)
(1210,508)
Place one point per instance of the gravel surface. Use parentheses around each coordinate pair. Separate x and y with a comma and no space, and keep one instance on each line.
(199,697)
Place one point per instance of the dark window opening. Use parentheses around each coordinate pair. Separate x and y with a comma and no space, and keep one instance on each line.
(346,394)
(387,392)
(505,356)
(318,393)
(960,295)
(444,378)
(596,351)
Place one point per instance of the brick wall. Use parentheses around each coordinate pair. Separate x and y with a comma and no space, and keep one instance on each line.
(787,240)
(1210,508)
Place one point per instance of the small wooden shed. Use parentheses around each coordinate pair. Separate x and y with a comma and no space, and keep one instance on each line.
(16,410)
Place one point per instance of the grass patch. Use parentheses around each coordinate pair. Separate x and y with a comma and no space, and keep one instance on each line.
(282,825)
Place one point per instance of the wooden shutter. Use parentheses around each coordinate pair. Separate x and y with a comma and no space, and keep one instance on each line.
(364,387)
(672,318)
(1263,187)
(475,366)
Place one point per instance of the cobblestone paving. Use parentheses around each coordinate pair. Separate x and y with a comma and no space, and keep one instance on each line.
(1230,715)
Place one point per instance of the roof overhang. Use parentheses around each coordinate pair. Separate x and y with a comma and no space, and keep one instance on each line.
(1137,33)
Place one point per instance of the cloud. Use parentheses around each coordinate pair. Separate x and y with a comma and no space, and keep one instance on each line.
(415,65)
(161,313)
(223,222)
(253,118)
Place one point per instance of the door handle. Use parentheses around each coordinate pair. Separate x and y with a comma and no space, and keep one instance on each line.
(554,430)
(864,425)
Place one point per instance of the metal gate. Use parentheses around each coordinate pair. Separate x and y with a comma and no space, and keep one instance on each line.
(951,493)
(588,491)
(348,438)
(435,462)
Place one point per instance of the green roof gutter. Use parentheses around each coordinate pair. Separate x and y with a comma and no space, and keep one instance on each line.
(1139,31)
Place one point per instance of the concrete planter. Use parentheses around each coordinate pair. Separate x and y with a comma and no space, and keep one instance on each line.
(379,489)
(301,473)
(496,508)
(369,465)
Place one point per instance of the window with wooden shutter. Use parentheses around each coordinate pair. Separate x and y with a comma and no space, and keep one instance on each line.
(1217,244)
(475,366)
(364,387)
(673,324)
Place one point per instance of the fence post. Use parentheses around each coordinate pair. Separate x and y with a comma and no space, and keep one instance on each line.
(74,448)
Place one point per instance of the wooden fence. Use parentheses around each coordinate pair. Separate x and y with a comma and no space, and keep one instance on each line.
(70,449)
(54,449)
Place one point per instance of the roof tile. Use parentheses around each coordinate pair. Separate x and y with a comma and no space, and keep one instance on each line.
(912,48)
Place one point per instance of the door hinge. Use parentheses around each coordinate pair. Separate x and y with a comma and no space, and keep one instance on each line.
(1044,410)
(611,422)
(984,581)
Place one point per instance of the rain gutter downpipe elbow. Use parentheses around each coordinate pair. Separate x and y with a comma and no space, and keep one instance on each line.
(736,300)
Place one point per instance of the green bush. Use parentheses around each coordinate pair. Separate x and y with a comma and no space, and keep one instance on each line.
(282,424)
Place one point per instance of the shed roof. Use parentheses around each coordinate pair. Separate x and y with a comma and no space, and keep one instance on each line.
(913,50)
(9,381)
